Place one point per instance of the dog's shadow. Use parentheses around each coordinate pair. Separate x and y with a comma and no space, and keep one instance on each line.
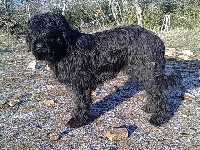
(189,77)
(190,73)
(109,102)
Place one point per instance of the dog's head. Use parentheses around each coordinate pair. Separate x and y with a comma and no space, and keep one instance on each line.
(46,36)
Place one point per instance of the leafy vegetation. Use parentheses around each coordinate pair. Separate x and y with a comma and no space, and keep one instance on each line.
(110,13)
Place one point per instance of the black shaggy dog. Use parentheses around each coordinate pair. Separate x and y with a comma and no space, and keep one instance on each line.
(82,61)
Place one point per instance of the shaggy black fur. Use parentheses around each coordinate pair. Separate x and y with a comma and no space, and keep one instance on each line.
(82,61)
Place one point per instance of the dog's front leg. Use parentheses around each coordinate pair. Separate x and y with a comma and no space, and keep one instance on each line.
(82,101)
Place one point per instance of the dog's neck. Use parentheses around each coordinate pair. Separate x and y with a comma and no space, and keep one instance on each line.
(71,36)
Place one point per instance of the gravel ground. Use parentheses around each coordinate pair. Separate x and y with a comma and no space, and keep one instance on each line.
(34,110)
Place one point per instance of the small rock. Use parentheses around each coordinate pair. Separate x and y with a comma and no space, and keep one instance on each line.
(47,68)
(54,136)
(32,65)
(93,94)
(13,103)
(116,134)
(183,57)
(114,89)
(187,52)
(142,95)
(188,96)
(49,102)
(2,102)
(185,116)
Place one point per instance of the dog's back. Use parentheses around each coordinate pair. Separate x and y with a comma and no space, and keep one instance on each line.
(122,46)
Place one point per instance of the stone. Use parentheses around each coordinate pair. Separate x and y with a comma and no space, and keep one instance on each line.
(188,96)
(187,52)
(54,136)
(185,116)
(114,89)
(13,103)
(47,68)
(93,94)
(116,134)
(49,102)
(32,65)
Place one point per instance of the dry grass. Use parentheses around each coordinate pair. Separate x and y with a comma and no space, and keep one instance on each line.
(183,39)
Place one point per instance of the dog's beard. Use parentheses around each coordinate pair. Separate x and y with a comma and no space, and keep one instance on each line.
(48,50)
(41,51)
(41,54)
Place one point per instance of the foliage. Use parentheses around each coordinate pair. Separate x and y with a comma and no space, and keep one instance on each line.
(153,18)
(129,16)
(100,13)
(186,15)
(168,7)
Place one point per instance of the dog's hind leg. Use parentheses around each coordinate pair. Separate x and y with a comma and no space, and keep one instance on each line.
(157,100)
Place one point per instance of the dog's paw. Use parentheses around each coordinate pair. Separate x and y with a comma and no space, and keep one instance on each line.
(76,123)
(159,119)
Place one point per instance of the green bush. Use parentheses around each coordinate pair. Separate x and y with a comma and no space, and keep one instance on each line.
(183,14)
(129,16)
(186,16)
(86,13)
(152,19)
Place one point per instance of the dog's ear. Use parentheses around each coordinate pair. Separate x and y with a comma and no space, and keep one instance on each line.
(86,41)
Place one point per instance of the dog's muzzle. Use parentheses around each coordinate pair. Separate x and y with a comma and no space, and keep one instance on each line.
(40,51)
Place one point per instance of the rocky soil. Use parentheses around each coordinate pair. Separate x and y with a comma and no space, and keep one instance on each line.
(34,109)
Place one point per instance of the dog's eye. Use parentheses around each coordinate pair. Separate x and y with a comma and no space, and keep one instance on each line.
(40,45)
